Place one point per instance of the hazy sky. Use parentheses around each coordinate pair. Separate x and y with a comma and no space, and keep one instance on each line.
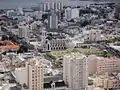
(26,3)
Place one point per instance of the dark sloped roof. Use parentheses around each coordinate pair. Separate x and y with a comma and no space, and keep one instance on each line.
(57,84)
(52,78)
(47,85)
(60,84)
(14,88)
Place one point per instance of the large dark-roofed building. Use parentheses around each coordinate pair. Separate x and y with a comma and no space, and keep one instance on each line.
(60,85)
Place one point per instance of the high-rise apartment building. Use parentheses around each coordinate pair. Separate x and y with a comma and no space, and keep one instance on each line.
(23,32)
(75,71)
(52,20)
(31,75)
(45,6)
(117,12)
(68,13)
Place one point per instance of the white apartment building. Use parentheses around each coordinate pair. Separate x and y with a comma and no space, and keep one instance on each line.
(92,64)
(102,65)
(92,35)
(31,75)
(75,71)
(68,13)
(71,13)
(75,13)
(54,44)
(11,13)
(53,20)
(57,5)
(23,32)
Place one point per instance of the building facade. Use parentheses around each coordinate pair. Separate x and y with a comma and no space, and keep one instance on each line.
(107,82)
(54,44)
(45,6)
(108,65)
(117,12)
(68,13)
(92,64)
(60,85)
(71,13)
(53,20)
(92,35)
(33,75)
(75,13)
(75,71)
(23,32)
(101,65)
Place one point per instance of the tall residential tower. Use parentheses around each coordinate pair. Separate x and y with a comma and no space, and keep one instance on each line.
(31,75)
(53,20)
(75,72)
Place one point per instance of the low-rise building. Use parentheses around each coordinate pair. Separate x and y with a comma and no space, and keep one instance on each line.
(30,76)
(108,65)
(92,35)
(71,13)
(8,45)
(104,82)
(101,65)
(107,82)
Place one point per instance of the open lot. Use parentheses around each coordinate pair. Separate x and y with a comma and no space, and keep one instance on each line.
(87,51)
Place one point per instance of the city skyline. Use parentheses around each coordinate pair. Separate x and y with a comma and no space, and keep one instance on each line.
(59,45)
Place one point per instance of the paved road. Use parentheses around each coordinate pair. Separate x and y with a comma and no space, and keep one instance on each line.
(108,49)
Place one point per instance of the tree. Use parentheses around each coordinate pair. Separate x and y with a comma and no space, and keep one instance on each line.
(4,37)
(44,16)
(25,86)
(72,20)
(105,53)
(51,56)
(85,23)
(22,49)
(90,82)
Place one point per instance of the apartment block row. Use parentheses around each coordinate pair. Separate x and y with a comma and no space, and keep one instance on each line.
(75,74)
(101,65)
(107,82)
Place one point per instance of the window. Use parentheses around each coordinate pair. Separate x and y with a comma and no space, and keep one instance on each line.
(33,86)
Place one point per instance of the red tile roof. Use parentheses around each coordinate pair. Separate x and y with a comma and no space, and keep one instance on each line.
(9,45)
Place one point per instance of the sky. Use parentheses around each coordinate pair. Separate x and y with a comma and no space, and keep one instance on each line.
(26,3)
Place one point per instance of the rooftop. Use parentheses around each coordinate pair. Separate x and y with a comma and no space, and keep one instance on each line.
(57,84)
(111,58)
(74,56)
(86,51)
(34,62)
(47,79)
(7,44)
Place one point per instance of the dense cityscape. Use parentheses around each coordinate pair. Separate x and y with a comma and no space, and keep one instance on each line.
(54,46)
